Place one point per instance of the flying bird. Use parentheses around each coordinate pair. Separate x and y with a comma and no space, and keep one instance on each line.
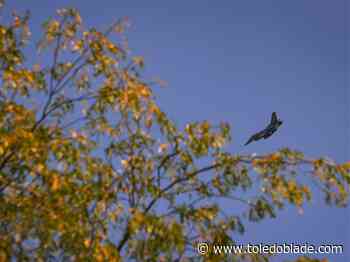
(275,123)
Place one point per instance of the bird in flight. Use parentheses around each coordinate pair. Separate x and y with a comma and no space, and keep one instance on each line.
(274,124)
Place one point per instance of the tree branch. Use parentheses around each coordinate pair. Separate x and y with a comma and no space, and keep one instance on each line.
(126,235)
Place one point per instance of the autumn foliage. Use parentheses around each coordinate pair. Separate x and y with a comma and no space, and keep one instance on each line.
(91,169)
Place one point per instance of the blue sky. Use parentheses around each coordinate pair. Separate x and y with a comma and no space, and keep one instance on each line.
(239,61)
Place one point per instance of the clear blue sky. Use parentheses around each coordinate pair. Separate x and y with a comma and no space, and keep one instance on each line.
(238,61)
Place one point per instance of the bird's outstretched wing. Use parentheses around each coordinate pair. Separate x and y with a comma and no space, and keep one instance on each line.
(273,118)
(255,137)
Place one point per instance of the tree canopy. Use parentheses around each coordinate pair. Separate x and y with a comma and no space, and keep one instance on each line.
(91,168)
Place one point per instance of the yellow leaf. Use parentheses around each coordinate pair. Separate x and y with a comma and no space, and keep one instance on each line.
(162,148)
(3,256)
(105,252)
(40,167)
(78,19)
(124,163)
(275,157)
(138,60)
(149,228)
(77,45)
(87,242)
(55,183)
(144,91)
(17,22)
(347,165)
(99,258)
(61,227)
